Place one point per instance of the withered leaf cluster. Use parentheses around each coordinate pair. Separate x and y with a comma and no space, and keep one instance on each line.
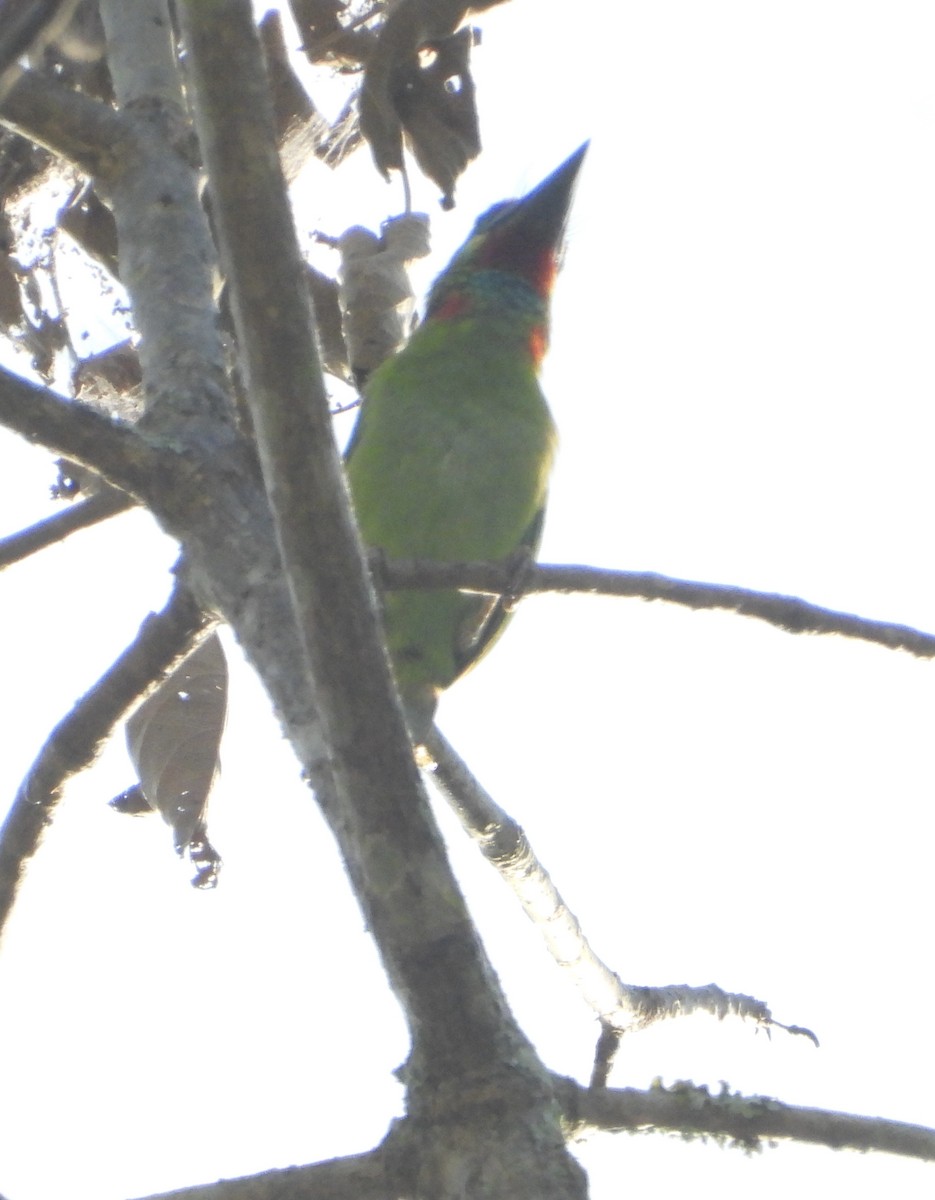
(417,87)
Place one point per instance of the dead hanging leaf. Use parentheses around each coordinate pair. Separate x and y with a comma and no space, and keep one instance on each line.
(437,107)
(430,98)
(376,294)
(173,740)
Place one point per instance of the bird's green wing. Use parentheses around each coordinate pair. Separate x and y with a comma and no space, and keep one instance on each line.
(482,627)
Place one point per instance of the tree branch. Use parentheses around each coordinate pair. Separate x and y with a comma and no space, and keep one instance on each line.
(208,494)
(103,504)
(622,1007)
(333,606)
(747,1120)
(361,1176)
(85,131)
(141,53)
(75,431)
(788,613)
(163,641)
(462,1030)
(166,253)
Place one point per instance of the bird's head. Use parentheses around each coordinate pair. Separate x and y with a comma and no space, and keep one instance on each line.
(510,260)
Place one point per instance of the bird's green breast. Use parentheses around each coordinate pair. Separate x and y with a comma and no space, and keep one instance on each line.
(450,461)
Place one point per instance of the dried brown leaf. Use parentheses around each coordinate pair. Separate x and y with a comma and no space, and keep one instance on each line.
(174,738)
(436,104)
(430,98)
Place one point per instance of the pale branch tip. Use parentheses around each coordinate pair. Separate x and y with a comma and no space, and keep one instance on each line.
(621,1007)
(795,1031)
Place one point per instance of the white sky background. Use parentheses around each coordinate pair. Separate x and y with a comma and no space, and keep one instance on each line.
(742,376)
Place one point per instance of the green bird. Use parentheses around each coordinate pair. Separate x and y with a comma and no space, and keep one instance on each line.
(451,455)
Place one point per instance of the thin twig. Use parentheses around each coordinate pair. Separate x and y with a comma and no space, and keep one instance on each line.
(788,613)
(81,515)
(163,640)
(621,1007)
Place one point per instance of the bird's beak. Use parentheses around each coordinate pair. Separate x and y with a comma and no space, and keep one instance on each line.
(542,214)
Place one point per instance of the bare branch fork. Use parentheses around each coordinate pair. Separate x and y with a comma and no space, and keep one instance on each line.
(684,1108)
(117,451)
(621,1007)
(464,1036)
(184,457)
